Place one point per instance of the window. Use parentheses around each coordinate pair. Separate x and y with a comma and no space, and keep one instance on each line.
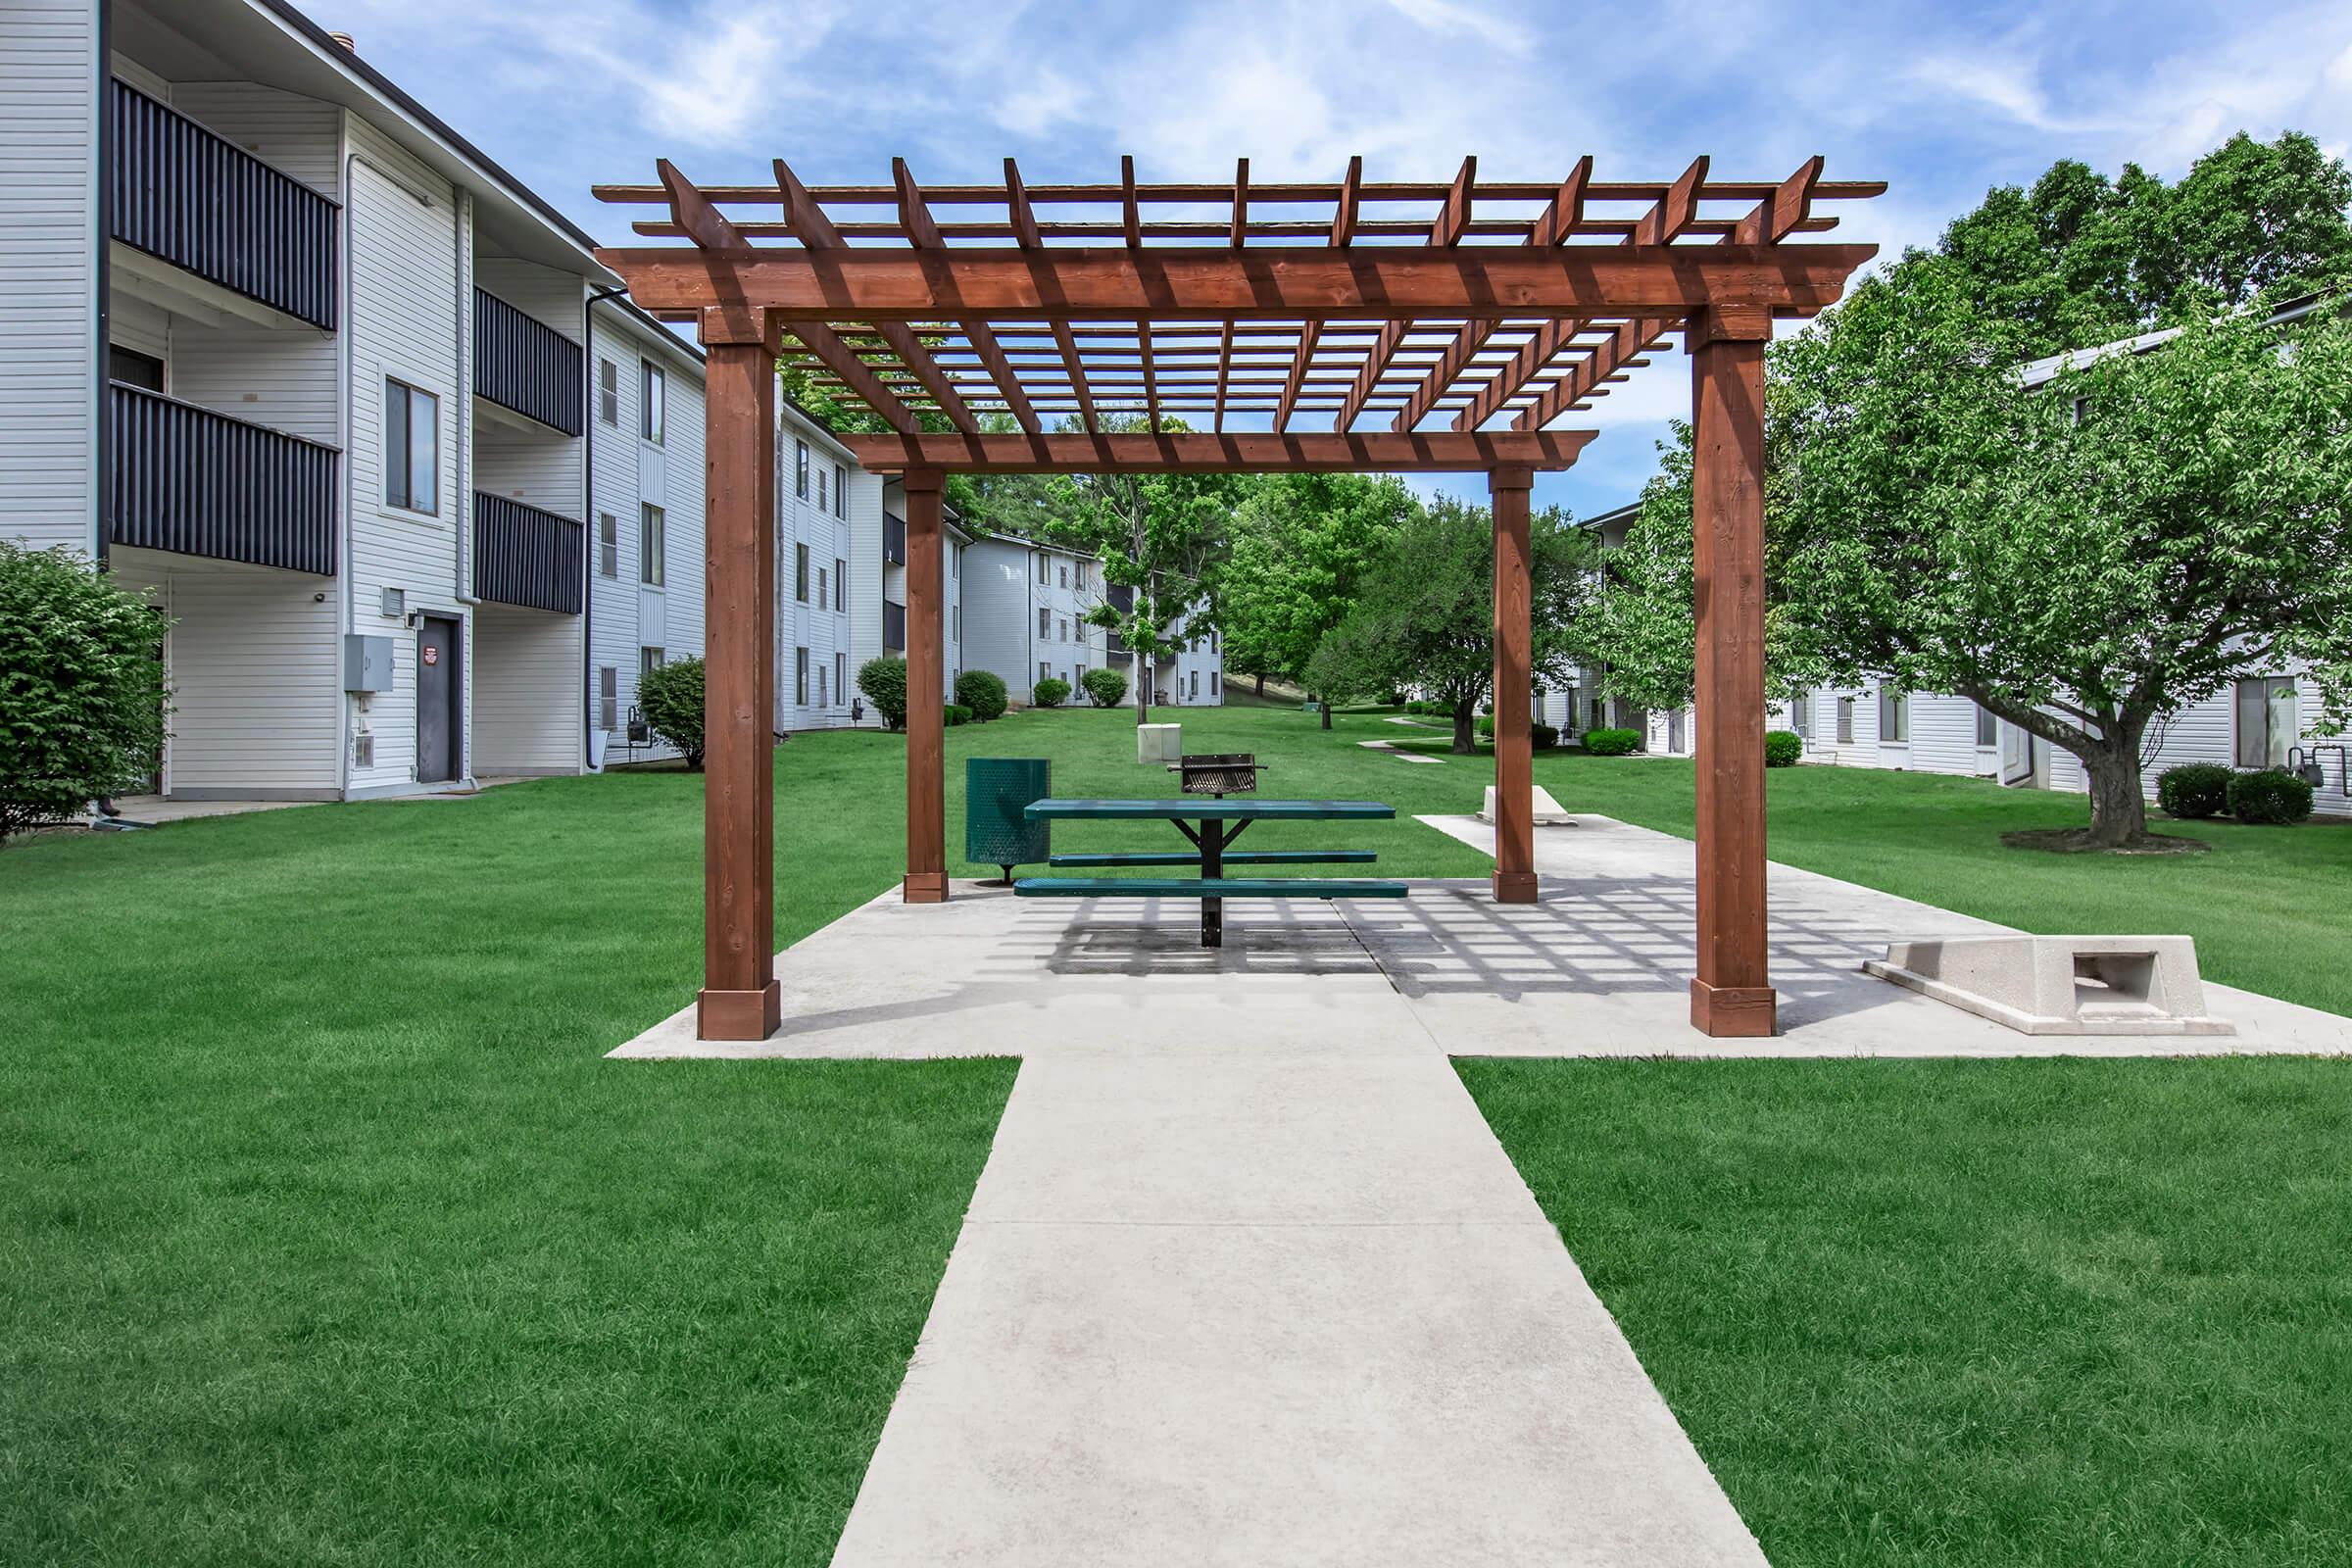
(653,551)
(821,489)
(841,484)
(955,560)
(1082,677)
(799,575)
(1989,728)
(1045,625)
(820,687)
(608,698)
(1212,683)
(1081,569)
(412,448)
(955,622)
(820,586)
(657,404)
(133,368)
(607,393)
(1895,715)
(608,544)
(648,659)
(800,676)
(1043,672)
(841,676)
(1063,621)
(1195,683)
(1845,721)
(799,480)
(1045,568)
(1801,714)
(1066,576)
(841,583)
(2266,721)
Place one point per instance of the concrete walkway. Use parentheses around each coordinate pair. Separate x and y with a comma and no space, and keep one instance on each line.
(1248,1280)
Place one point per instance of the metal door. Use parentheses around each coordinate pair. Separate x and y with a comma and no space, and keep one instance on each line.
(440,701)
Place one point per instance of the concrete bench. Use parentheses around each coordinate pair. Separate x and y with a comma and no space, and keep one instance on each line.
(1231,858)
(2045,985)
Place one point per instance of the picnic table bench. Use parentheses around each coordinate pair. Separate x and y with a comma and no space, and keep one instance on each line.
(1211,825)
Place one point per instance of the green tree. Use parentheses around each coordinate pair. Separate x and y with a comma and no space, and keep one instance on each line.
(2078,559)
(81,691)
(2078,259)
(1162,537)
(670,697)
(1301,544)
(1424,614)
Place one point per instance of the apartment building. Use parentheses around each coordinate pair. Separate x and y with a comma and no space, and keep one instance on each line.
(1028,602)
(305,365)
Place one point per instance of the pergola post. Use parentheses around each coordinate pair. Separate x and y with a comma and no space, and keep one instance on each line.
(1514,751)
(926,696)
(1731,994)
(739,999)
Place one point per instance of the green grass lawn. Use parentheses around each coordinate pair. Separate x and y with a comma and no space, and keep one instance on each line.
(327,1236)
(1977,1315)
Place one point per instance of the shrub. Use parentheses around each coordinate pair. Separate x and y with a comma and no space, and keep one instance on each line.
(1105,688)
(1612,742)
(983,692)
(2193,790)
(1484,725)
(957,714)
(1050,693)
(1544,736)
(1782,747)
(884,682)
(670,697)
(2269,795)
(81,692)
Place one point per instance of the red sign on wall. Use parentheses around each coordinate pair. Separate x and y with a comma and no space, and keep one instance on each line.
(432,656)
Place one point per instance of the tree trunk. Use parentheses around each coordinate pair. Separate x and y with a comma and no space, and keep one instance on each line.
(2119,813)
(1465,731)
(1323,702)
(1262,684)
(1142,689)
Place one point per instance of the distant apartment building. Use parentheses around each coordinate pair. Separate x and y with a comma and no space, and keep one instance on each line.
(1027,604)
(294,357)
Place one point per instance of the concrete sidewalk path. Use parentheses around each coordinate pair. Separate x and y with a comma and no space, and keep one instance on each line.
(1248,1281)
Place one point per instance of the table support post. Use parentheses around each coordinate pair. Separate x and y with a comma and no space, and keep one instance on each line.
(1213,867)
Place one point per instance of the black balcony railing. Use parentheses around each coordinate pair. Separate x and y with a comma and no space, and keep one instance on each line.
(523,556)
(893,626)
(894,539)
(1121,598)
(183,194)
(199,483)
(520,362)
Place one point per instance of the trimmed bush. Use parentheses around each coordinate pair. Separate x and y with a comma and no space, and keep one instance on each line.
(982,692)
(670,698)
(1050,693)
(957,714)
(1612,742)
(81,692)
(1105,688)
(1485,726)
(884,682)
(2193,790)
(1782,747)
(2268,796)
(1544,736)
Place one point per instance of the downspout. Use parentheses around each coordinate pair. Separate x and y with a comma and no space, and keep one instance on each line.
(351,466)
(102,212)
(462,495)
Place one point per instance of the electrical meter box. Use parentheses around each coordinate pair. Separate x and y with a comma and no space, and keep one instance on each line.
(366,662)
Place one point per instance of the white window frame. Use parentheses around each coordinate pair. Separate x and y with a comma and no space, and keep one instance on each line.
(408,396)
(652,546)
(654,387)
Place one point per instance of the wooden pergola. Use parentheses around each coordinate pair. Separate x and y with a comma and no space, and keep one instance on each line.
(1379,328)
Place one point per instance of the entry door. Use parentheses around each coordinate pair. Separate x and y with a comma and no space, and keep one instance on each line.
(2018,761)
(440,701)
(1676,739)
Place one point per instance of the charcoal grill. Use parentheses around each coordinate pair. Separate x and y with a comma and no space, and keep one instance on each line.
(1219,773)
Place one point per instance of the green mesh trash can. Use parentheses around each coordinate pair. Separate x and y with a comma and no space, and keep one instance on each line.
(996,791)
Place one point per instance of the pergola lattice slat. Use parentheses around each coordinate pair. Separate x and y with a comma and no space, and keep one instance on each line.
(1470,299)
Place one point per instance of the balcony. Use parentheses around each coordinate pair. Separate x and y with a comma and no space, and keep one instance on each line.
(523,556)
(181,194)
(893,540)
(893,626)
(199,483)
(523,364)
(1121,598)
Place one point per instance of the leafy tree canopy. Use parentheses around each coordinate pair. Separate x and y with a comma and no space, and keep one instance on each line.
(1301,544)
(1424,613)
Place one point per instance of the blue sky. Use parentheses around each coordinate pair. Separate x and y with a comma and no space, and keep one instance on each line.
(1942,101)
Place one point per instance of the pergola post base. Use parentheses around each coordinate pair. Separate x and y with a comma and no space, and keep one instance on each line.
(739,1015)
(1733,1013)
(1516,887)
(924,887)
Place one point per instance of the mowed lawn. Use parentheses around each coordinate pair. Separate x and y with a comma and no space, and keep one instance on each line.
(326,1235)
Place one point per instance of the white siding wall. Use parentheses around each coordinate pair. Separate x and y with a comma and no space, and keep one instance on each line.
(253,661)
(49,70)
(814,624)
(526,673)
(408,280)
(998,621)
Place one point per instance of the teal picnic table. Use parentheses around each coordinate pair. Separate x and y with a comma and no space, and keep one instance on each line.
(1212,824)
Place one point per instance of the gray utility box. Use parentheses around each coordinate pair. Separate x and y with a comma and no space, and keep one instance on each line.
(366,662)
